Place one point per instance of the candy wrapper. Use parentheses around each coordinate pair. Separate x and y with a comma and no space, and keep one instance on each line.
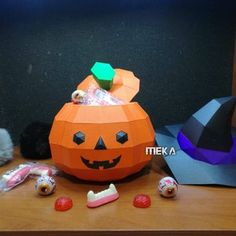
(94,96)
(38,169)
(16,176)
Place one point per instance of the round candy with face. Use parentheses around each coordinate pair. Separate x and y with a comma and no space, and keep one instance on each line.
(45,185)
(168,187)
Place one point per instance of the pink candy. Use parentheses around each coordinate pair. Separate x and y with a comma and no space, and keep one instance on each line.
(15,176)
(94,96)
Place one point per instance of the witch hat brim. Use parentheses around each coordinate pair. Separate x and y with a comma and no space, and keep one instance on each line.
(186,165)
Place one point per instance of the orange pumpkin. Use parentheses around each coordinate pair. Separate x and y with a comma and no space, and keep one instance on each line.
(103,143)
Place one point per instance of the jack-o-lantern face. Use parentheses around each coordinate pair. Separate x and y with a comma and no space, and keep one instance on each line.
(101,143)
(109,149)
(121,137)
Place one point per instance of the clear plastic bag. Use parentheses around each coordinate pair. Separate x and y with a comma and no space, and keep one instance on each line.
(95,96)
(16,176)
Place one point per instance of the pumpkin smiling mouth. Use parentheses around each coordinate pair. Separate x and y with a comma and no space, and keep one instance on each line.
(98,164)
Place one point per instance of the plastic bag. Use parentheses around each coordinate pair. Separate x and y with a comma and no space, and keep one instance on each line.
(16,176)
(94,96)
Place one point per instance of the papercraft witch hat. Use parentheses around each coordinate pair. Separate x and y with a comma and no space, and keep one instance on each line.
(205,145)
(206,136)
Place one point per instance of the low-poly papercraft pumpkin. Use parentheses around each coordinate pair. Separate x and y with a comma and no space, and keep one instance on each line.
(103,143)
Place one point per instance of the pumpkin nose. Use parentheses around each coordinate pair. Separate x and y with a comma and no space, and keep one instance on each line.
(100,144)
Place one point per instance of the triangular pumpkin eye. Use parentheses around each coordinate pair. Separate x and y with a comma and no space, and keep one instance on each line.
(121,137)
(79,137)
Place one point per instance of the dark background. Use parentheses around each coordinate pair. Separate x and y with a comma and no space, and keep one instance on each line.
(182,51)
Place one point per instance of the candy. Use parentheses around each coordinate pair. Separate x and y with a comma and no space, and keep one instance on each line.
(63,204)
(142,201)
(94,96)
(78,96)
(103,197)
(15,176)
(41,170)
(18,175)
(45,185)
(168,187)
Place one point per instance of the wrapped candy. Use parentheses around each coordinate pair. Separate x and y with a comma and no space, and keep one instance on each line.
(168,187)
(94,96)
(13,177)
(16,176)
(39,169)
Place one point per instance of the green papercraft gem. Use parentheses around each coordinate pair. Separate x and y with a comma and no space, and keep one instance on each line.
(103,74)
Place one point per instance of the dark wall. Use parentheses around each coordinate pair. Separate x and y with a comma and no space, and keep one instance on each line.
(181,50)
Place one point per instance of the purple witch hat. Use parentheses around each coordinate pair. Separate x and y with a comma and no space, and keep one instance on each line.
(206,136)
